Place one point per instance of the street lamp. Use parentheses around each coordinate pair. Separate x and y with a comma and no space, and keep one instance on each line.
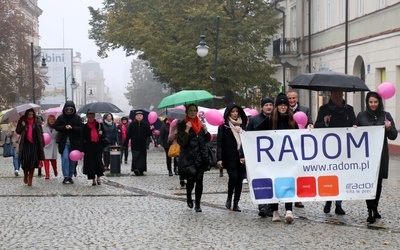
(202,51)
(43,70)
(73,87)
(65,83)
(84,94)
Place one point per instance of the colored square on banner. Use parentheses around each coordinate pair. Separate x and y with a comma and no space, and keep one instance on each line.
(306,186)
(284,187)
(328,185)
(262,188)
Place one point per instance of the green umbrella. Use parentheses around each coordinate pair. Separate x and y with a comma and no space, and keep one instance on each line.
(185,97)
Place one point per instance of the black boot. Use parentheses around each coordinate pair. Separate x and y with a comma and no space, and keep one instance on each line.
(189,201)
(236,206)
(197,207)
(371,218)
(339,210)
(221,172)
(170,172)
(228,203)
(376,214)
(327,207)
(176,170)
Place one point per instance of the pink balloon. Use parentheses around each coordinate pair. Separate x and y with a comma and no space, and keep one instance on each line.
(301,126)
(173,123)
(156,132)
(152,118)
(301,118)
(75,155)
(182,107)
(253,112)
(214,117)
(386,90)
(47,138)
(247,110)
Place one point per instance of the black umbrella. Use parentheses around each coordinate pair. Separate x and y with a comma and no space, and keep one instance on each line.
(328,80)
(175,114)
(99,107)
(157,125)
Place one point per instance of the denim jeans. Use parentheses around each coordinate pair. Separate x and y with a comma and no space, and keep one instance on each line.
(15,159)
(67,165)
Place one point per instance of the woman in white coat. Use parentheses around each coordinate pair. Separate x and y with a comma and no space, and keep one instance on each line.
(50,149)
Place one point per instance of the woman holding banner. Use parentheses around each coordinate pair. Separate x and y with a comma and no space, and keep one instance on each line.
(282,118)
(375,115)
(230,153)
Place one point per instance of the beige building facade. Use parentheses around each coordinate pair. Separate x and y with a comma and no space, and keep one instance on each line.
(357,37)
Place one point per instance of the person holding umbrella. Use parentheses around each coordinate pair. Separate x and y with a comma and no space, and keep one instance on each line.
(31,144)
(138,132)
(336,113)
(372,116)
(193,137)
(68,126)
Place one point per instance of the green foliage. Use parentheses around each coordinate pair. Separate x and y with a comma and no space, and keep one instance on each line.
(15,58)
(165,33)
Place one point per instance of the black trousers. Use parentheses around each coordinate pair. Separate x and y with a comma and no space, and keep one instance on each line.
(190,184)
(169,159)
(235,182)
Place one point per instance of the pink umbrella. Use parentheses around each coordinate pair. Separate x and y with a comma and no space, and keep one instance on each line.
(15,113)
(53,111)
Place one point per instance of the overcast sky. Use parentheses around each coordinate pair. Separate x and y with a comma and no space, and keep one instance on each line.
(65,24)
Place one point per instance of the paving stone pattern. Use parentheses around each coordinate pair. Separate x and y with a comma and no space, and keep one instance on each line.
(150,212)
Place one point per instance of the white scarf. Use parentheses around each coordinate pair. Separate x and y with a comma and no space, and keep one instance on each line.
(236,130)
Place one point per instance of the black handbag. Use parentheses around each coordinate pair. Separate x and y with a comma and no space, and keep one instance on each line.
(105,142)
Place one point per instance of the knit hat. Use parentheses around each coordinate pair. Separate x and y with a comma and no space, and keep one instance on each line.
(266,100)
(281,99)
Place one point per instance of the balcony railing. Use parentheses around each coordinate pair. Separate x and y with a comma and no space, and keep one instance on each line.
(287,46)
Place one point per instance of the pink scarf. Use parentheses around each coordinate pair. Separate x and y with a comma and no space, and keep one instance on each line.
(29,134)
(94,137)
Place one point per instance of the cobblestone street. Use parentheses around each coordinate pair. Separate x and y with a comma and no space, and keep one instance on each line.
(150,212)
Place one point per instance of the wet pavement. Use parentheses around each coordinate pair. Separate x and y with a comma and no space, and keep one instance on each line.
(150,211)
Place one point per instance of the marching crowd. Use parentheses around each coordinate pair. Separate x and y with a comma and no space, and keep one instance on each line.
(190,141)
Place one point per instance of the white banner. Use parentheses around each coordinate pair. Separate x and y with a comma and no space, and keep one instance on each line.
(313,164)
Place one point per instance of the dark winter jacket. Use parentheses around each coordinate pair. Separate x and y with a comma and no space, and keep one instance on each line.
(164,133)
(110,131)
(341,116)
(259,122)
(71,136)
(378,117)
(226,143)
(193,148)
(92,149)
(37,135)
(138,132)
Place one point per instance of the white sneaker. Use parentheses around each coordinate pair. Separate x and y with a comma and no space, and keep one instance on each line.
(275,216)
(244,181)
(289,216)
(16,172)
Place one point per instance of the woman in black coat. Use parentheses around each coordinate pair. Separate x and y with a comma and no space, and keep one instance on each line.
(91,141)
(372,116)
(31,144)
(230,153)
(193,159)
(111,132)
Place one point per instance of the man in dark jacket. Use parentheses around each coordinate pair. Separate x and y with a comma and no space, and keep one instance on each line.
(138,132)
(68,126)
(336,113)
(263,121)
(293,98)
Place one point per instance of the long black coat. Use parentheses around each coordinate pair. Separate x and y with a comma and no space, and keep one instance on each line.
(227,151)
(138,132)
(37,135)
(73,134)
(92,162)
(366,119)
(164,133)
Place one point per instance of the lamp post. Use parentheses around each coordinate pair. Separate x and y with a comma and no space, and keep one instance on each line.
(65,83)
(84,92)
(73,87)
(202,51)
(43,70)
